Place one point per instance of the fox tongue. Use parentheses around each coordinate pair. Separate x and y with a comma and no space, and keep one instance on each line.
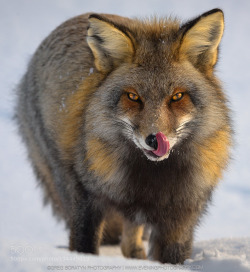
(163,145)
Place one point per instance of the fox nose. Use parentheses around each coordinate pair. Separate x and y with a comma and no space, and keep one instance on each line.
(152,141)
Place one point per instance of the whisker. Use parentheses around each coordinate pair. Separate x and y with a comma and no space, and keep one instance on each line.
(181,126)
(182,131)
(127,126)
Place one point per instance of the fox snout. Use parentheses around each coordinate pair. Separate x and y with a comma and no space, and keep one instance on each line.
(151,141)
(159,142)
(156,147)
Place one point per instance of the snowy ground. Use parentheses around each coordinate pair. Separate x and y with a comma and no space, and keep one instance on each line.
(28,231)
(224,255)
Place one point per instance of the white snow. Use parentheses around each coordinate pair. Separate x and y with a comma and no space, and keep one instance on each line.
(29,235)
(91,70)
(225,255)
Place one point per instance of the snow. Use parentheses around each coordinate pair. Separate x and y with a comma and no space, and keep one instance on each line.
(91,70)
(27,229)
(227,255)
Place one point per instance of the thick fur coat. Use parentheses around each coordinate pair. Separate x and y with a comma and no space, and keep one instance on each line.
(98,92)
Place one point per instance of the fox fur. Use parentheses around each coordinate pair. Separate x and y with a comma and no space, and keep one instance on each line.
(94,90)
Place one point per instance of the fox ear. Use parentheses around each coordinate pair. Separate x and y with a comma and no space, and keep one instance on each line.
(201,38)
(110,44)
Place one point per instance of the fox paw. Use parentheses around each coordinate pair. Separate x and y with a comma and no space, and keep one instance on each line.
(134,252)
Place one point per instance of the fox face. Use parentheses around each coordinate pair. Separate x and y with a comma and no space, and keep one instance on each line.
(157,88)
(155,118)
(158,117)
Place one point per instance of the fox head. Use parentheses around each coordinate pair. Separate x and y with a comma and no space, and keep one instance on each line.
(159,88)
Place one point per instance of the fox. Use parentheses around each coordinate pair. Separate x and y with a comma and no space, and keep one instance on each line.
(127,127)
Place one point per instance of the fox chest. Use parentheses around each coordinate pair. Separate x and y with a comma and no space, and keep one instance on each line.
(155,199)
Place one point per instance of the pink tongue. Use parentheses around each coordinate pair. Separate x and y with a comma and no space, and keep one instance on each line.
(163,145)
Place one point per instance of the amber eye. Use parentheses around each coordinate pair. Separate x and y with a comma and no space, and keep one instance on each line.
(177,97)
(133,97)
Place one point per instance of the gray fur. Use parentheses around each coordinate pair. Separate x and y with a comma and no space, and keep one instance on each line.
(168,195)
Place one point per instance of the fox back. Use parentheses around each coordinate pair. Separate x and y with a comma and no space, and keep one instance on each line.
(125,118)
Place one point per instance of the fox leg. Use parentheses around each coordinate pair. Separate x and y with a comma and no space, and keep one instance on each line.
(112,228)
(131,244)
(86,224)
(170,246)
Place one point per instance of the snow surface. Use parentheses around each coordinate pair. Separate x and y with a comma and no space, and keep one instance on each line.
(29,232)
(224,255)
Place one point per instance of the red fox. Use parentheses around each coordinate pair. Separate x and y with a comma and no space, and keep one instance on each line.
(126,117)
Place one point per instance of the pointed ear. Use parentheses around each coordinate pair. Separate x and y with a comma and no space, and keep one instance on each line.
(201,38)
(110,44)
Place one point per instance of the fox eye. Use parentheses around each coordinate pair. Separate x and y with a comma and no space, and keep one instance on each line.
(133,97)
(177,97)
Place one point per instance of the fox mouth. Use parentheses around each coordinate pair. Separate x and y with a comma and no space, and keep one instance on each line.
(151,154)
(152,157)
(157,150)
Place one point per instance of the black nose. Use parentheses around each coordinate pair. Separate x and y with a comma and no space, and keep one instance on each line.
(152,141)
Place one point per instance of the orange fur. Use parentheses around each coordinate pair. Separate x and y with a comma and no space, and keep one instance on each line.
(182,107)
(132,245)
(214,154)
(131,107)
(76,105)
(101,161)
